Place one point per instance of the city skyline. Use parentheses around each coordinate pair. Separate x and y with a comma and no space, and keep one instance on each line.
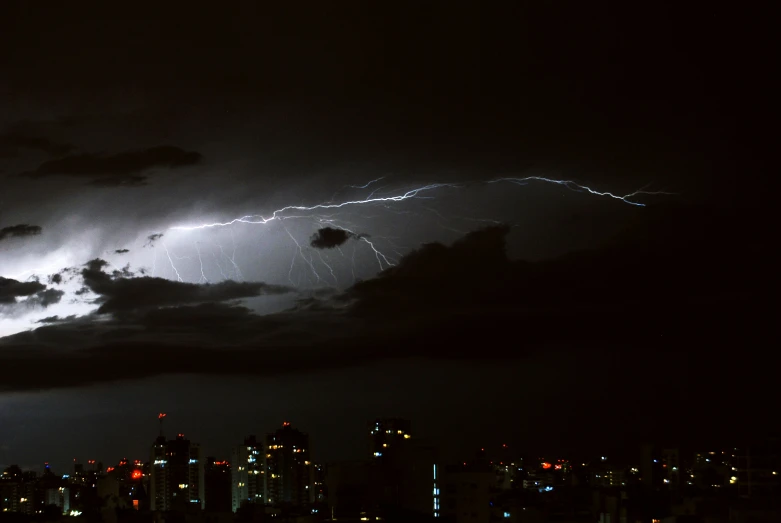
(398,476)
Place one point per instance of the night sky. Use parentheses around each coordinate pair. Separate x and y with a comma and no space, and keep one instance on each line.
(543,223)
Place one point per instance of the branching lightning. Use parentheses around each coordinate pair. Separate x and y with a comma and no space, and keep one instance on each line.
(330,213)
(178,277)
(349,215)
(413,193)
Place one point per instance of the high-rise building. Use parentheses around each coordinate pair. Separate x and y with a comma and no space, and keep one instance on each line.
(177,475)
(217,478)
(247,473)
(466,492)
(403,468)
(289,474)
(385,435)
(758,472)
(59,497)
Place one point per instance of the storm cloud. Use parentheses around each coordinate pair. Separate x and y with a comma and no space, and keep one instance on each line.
(18,231)
(442,302)
(11,289)
(117,169)
(119,292)
(10,143)
(329,237)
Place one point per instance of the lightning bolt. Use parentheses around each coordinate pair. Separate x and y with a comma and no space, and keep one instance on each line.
(322,260)
(367,184)
(178,278)
(428,191)
(308,261)
(574,186)
(418,192)
(200,261)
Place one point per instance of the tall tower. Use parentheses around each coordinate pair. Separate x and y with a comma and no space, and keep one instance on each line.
(288,477)
(247,473)
(177,475)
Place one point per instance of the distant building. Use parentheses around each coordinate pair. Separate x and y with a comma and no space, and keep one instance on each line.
(671,468)
(660,468)
(759,470)
(350,494)
(385,435)
(398,482)
(247,473)
(289,474)
(466,493)
(403,468)
(218,485)
(177,475)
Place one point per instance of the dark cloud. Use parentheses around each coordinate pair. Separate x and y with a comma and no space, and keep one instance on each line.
(121,169)
(55,319)
(18,231)
(329,237)
(10,143)
(47,297)
(129,181)
(463,301)
(119,292)
(152,238)
(122,251)
(12,289)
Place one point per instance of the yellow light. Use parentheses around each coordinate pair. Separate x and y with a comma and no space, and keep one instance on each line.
(384,444)
(407,436)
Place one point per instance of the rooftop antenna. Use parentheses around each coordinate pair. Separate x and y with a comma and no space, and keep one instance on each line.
(160,417)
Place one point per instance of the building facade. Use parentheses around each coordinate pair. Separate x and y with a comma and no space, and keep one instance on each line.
(289,478)
(176,476)
(247,473)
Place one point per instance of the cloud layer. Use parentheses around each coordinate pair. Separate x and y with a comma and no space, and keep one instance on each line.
(123,168)
(467,300)
(120,292)
(20,230)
